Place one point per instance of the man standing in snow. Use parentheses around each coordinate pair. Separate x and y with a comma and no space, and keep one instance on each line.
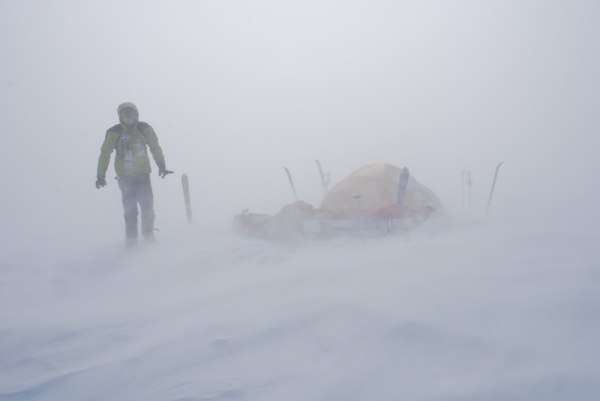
(130,139)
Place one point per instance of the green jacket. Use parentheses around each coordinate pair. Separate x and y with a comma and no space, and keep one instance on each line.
(131,150)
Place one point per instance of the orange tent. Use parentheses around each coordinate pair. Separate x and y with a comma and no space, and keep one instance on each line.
(373,190)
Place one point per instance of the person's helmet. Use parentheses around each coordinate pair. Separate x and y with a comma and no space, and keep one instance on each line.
(125,106)
(128,119)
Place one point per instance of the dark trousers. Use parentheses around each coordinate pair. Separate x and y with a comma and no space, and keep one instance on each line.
(137,190)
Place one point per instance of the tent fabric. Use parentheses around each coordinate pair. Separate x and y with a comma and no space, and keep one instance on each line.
(374,188)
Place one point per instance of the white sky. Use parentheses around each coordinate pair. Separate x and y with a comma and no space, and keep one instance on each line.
(238,89)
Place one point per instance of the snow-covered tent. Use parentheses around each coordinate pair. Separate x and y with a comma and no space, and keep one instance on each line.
(376,196)
(373,189)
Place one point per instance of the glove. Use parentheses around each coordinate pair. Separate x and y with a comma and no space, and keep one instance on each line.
(100,182)
(163,172)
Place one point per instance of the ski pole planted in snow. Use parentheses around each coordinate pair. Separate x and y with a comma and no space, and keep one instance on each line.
(185,184)
(325,178)
(291,180)
(402,184)
(468,186)
(491,196)
(462,189)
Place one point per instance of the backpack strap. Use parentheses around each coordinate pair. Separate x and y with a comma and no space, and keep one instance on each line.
(117,129)
(143,126)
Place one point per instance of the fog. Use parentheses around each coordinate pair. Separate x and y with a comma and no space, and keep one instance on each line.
(481,308)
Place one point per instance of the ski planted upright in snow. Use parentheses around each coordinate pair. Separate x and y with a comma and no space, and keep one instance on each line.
(185,184)
(492,189)
(402,184)
(325,178)
(466,188)
(291,181)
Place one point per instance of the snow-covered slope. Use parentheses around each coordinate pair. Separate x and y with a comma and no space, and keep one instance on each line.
(464,313)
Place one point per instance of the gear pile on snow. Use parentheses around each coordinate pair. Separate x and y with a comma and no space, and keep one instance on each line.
(376,198)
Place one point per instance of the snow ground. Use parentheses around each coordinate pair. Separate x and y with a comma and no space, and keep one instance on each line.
(477,312)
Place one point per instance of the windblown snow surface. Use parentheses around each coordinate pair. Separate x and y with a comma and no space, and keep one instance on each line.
(489,311)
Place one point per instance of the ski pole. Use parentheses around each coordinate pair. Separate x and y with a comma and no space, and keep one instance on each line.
(469,185)
(324,178)
(185,184)
(491,196)
(291,181)
(462,189)
(402,184)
